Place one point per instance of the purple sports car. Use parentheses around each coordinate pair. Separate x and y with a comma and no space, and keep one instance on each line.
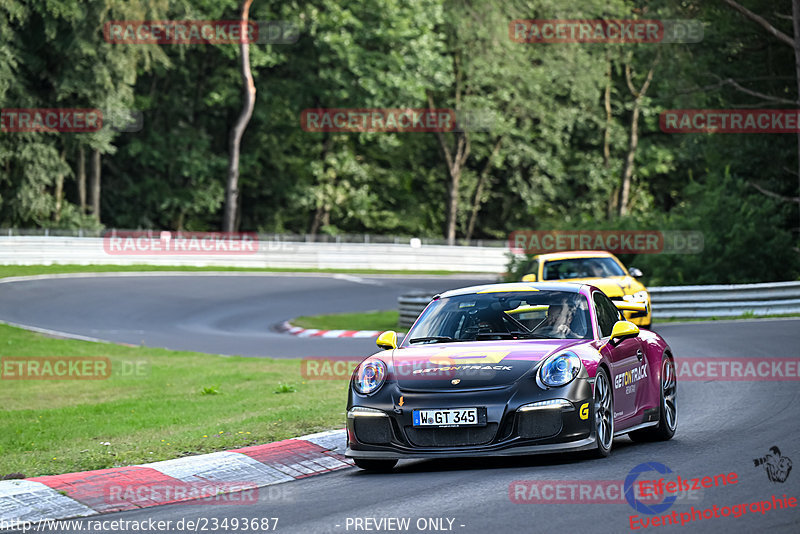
(501,369)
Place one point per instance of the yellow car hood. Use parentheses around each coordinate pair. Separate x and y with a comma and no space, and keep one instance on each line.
(615,286)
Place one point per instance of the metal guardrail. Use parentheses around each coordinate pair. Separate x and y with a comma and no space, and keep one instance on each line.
(679,301)
(410,306)
(278,251)
(725,300)
(41,250)
(267,237)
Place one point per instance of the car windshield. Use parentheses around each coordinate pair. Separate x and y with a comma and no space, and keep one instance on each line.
(581,268)
(506,315)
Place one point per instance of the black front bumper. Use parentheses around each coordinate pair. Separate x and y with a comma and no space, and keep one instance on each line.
(508,430)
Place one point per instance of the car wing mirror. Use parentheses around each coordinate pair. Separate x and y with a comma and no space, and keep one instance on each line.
(623,330)
(387,340)
(529,277)
(634,272)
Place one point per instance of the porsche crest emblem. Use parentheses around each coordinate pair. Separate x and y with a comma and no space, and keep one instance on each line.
(455,381)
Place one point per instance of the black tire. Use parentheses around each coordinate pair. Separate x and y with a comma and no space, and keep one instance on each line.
(603,418)
(383,466)
(668,409)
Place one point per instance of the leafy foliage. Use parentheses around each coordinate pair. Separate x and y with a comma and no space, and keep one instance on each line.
(540,164)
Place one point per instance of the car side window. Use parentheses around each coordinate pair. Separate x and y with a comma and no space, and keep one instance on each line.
(607,313)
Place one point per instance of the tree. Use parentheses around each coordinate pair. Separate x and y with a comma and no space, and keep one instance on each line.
(794,43)
(249,89)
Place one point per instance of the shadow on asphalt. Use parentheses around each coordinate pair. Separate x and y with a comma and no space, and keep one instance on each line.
(500,462)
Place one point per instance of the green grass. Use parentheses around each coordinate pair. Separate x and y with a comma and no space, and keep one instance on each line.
(180,403)
(371,320)
(28,270)
(186,403)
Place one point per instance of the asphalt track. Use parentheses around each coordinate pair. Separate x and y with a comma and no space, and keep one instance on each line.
(234,314)
(723,426)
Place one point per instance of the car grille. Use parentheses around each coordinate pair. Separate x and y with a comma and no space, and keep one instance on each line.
(538,424)
(375,430)
(451,437)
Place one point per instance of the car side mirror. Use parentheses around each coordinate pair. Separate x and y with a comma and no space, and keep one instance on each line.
(387,340)
(623,330)
(529,277)
(634,272)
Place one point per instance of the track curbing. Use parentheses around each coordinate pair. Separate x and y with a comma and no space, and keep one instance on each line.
(85,493)
(298,331)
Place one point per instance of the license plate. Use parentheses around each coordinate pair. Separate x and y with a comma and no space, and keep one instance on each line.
(450,417)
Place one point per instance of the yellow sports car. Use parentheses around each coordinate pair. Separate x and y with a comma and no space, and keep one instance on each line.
(600,269)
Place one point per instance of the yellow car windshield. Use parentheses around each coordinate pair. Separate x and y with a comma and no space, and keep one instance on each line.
(581,268)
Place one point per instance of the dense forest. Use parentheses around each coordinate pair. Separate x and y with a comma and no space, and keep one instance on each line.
(568,135)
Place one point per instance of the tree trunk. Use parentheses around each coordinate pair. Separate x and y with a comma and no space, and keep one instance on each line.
(82,179)
(96,184)
(612,200)
(455,164)
(59,190)
(478,199)
(627,171)
(322,217)
(796,40)
(452,205)
(232,189)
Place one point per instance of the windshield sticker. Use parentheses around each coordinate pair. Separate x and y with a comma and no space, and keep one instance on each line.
(453,355)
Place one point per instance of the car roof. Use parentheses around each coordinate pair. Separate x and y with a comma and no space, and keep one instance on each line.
(567,287)
(567,254)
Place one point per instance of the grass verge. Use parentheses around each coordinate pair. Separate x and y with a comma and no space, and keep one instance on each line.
(176,404)
(371,320)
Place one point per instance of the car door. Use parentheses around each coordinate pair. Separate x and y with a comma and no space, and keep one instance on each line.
(626,359)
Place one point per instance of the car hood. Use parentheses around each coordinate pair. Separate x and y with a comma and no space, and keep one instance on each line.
(468,365)
(614,286)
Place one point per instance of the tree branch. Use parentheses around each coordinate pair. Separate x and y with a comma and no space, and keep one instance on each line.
(442,141)
(761,21)
(733,83)
(772,194)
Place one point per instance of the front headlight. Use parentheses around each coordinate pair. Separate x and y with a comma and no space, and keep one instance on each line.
(559,369)
(370,376)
